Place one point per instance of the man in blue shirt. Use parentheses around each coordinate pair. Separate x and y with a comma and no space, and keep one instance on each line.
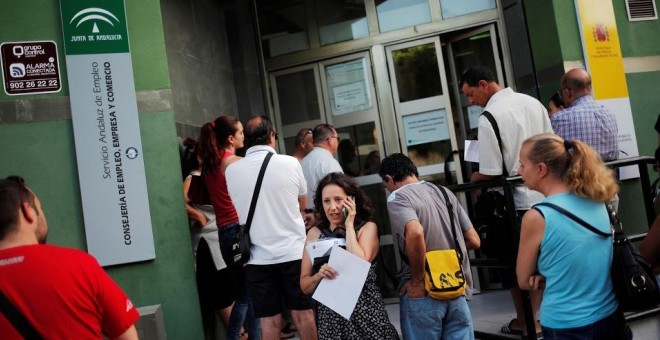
(583,118)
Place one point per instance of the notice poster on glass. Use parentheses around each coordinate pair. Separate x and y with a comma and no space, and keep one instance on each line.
(426,127)
(348,87)
(474,112)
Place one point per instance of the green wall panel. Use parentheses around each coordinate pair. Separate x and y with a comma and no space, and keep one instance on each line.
(21,21)
(569,31)
(638,38)
(145,34)
(44,154)
(643,89)
(543,33)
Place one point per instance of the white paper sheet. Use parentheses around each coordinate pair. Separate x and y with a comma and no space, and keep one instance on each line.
(342,293)
(320,247)
(471,151)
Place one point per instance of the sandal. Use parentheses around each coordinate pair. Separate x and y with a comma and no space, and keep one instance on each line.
(508,329)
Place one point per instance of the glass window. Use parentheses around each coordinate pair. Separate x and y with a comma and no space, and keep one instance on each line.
(358,151)
(297,97)
(453,8)
(340,20)
(417,73)
(348,87)
(283,26)
(395,14)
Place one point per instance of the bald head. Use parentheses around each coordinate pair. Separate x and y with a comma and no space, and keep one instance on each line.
(575,83)
(259,131)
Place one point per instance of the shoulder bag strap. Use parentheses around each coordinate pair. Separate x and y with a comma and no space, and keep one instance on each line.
(496,129)
(450,210)
(17,319)
(257,188)
(573,217)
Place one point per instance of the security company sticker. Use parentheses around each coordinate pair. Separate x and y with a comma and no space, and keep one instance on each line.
(30,67)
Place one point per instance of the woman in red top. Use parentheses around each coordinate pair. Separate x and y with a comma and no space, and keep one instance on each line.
(218,143)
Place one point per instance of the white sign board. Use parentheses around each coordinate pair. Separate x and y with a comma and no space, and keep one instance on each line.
(426,127)
(106,129)
(348,87)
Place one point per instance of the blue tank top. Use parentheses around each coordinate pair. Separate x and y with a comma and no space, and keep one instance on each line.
(576,264)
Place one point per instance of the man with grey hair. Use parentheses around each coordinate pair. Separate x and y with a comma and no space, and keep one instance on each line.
(585,119)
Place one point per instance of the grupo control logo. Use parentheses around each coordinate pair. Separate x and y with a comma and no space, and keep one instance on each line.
(94,15)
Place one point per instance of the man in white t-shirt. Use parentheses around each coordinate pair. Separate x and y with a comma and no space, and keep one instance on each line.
(277,231)
(320,162)
(518,117)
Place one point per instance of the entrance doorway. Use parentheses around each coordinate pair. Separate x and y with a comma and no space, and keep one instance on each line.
(417,85)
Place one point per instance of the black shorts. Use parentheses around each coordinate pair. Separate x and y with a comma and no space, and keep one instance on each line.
(271,285)
(212,284)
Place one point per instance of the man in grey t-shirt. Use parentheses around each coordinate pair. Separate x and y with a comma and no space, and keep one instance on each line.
(420,221)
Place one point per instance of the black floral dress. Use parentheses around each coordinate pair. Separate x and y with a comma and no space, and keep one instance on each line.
(369,319)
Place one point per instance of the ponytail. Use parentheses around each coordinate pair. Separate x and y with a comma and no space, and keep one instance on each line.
(576,164)
(208,150)
(588,176)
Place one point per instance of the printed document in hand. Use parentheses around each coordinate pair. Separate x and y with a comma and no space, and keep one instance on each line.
(471,151)
(342,293)
(322,247)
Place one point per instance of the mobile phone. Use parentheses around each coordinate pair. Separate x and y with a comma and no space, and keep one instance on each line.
(344,211)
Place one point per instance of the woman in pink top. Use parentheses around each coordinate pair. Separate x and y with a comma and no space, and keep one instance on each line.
(218,142)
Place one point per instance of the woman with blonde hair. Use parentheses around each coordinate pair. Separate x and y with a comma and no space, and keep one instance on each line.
(570,263)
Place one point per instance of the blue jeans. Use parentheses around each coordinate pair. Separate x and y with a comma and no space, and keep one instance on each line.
(242,312)
(612,327)
(428,318)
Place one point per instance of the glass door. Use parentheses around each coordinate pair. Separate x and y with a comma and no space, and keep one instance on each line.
(297,101)
(467,49)
(422,105)
(351,107)
(464,50)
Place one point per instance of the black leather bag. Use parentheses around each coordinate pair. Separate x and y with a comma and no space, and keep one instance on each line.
(633,280)
(240,246)
(634,284)
(491,216)
(492,224)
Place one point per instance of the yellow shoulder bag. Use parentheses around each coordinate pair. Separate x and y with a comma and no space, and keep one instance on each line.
(443,277)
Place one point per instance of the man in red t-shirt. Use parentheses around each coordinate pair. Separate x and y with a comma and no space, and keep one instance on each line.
(63,293)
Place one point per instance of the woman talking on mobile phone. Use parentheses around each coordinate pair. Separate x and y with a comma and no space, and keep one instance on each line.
(345,214)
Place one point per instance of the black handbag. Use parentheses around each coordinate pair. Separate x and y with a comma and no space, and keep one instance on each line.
(240,245)
(634,284)
(491,215)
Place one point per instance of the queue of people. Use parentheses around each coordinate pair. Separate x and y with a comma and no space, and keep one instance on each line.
(308,198)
